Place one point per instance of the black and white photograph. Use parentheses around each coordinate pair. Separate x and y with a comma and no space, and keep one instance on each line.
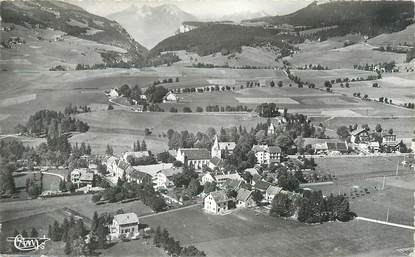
(207,128)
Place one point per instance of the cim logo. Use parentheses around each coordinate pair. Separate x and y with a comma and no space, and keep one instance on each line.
(29,243)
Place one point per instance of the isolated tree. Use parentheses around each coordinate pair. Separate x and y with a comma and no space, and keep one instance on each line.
(390,131)
(378,128)
(143,146)
(109,150)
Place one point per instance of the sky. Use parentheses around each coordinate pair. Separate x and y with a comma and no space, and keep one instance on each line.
(202,9)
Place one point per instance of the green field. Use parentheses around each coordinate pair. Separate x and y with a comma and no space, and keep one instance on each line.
(246,233)
(333,54)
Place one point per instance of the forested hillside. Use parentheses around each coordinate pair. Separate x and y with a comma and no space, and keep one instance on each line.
(212,38)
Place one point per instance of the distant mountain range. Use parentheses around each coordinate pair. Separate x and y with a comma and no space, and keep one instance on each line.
(150,25)
(76,22)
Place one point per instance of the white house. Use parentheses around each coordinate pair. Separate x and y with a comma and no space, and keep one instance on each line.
(267,154)
(261,153)
(163,178)
(193,156)
(170,97)
(82,177)
(219,147)
(208,177)
(114,93)
(124,225)
(216,202)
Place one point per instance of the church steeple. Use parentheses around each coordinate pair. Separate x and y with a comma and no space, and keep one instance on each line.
(216,152)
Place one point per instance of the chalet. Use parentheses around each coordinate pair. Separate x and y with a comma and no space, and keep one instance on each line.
(137,154)
(170,97)
(271,192)
(164,178)
(244,198)
(197,157)
(216,202)
(124,225)
(82,177)
(218,148)
(360,136)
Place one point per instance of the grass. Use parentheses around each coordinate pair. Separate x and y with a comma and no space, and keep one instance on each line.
(397,196)
(333,54)
(244,233)
(40,213)
(402,127)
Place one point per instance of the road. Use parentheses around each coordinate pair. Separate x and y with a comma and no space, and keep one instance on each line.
(169,211)
(43,172)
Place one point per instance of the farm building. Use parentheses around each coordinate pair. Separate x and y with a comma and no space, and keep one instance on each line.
(124,225)
(197,157)
(216,202)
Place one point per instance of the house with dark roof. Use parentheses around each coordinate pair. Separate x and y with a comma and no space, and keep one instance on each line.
(216,202)
(271,192)
(360,136)
(198,157)
(261,185)
(215,162)
(125,225)
(244,198)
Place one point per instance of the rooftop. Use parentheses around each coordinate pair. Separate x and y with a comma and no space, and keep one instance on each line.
(219,196)
(243,194)
(126,218)
(273,190)
(196,153)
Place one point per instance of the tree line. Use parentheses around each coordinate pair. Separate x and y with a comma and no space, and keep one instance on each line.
(52,124)
(162,239)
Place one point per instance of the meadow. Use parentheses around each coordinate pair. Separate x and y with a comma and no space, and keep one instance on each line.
(333,54)
(247,233)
